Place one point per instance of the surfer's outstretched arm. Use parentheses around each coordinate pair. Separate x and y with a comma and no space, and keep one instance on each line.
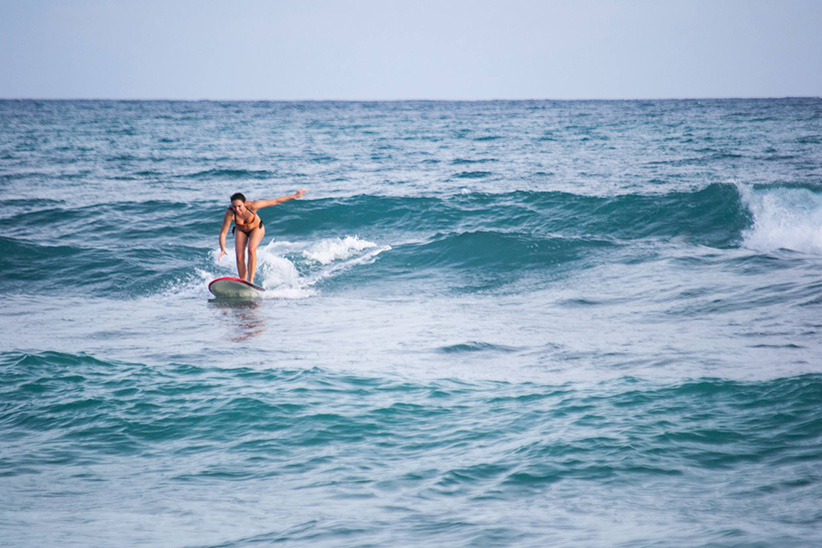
(224,231)
(259,204)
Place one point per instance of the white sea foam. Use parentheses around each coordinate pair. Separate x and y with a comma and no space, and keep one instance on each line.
(784,218)
(289,270)
(192,287)
(280,277)
(334,249)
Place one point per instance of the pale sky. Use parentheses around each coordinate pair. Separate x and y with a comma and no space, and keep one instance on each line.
(409,49)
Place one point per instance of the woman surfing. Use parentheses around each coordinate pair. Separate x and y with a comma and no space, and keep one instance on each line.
(248,230)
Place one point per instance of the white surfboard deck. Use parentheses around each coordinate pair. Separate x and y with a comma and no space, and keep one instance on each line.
(230,287)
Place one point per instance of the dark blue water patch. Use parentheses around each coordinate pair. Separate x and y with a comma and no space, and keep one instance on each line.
(104,270)
(477,347)
(24,262)
(24,221)
(774,157)
(149,174)
(470,161)
(586,302)
(14,206)
(473,263)
(359,214)
(809,139)
(232,174)
(321,158)
(473,174)
(810,184)
(714,215)
(493,251)
(116,222)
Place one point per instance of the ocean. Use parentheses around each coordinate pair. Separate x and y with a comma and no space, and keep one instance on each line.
(503,323)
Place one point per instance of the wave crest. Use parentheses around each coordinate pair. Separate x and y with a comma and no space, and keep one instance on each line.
(783,218)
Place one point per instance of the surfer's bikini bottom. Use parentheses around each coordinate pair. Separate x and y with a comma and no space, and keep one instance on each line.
(233,228)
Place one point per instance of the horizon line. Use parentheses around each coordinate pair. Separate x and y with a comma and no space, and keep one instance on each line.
(414,100)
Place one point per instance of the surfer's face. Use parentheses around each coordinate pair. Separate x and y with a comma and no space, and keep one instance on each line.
(238,206)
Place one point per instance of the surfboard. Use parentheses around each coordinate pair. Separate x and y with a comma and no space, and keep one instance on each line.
(230,287)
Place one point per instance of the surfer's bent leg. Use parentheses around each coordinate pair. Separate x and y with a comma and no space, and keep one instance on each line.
(240,240)
(254,240)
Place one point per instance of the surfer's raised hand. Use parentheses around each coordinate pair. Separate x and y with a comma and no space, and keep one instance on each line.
(300,193)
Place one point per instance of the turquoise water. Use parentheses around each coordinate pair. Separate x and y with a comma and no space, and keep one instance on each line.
(486,324)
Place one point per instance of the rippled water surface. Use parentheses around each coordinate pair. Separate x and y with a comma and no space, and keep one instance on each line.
(486,324)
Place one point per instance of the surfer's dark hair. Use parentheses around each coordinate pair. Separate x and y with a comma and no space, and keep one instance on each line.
(238,196)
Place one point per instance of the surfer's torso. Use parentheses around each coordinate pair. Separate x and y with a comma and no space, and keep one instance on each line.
(249,223)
